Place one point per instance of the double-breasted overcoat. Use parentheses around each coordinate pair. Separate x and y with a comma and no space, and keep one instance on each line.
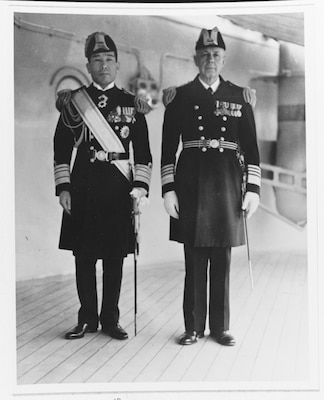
(208,180)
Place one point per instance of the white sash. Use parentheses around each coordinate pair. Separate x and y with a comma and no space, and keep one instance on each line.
(100,128)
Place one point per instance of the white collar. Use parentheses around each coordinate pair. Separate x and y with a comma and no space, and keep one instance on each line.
(214,86)
(109,86)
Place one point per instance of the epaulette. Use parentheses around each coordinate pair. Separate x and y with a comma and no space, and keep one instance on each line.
(127,92)
(249,94)
(141,105)
(63,98)
(168,95)
(140,102)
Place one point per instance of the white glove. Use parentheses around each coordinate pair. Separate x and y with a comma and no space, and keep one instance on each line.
(250,203)
(249,96)
(140,195)
(171,204)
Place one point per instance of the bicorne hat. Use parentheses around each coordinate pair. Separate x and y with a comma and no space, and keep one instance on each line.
(210,37)
(99,42)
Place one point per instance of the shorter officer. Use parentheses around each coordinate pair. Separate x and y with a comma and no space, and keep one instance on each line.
(202,189)
(101,121)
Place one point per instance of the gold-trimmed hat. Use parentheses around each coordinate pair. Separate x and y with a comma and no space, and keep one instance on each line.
(99,42)
(210,37)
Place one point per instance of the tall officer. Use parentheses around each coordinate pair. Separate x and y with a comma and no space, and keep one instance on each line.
(101,121)
(202,190)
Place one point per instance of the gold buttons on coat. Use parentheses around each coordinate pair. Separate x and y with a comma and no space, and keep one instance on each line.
(203,148)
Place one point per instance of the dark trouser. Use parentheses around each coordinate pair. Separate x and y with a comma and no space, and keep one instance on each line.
(87,290)
(195,290)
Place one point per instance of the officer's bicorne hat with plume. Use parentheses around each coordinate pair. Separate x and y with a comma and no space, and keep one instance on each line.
(210,37)
(99,42)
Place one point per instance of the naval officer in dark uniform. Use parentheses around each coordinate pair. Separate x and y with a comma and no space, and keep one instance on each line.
(202,190)
(97,194)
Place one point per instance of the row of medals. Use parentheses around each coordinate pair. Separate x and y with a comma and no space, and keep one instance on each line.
(227,108)
(119,114)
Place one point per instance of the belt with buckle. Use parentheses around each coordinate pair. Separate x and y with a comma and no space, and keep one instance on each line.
(205,144)
(102,155)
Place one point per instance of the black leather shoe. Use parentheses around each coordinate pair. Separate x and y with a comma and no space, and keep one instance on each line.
(223,338)
(116,332)
(200,334)
(188,338)
(79,331)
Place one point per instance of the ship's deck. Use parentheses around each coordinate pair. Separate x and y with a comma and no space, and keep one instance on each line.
(269,323)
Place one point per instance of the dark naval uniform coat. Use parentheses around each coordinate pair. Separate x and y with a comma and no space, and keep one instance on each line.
(207,180)
(100,220)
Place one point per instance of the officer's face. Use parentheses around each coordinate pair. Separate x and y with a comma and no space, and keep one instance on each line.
(210,62)
(103,68)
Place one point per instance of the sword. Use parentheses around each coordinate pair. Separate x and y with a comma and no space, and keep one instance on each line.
(136,224)
(244,177)
(248,248)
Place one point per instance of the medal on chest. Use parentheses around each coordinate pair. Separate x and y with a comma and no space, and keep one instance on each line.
(227,108)
(102,101)
(122,114)
(122,117)
(124,131)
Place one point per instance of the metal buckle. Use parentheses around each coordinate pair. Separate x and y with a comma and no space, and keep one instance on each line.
(214,143)
(101,155)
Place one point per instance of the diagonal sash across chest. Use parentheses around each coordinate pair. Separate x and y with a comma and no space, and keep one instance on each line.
(100,128)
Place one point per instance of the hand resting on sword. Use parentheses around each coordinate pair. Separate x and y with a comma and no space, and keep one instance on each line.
(250,203)
(139,194)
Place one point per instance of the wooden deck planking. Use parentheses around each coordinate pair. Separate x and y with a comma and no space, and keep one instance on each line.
(140,350)
(157,369)
(302,355)
(211,351)
(263,351)
(63,313)
(49,354)
(239,283)
(25,289)
(40,297)
(285,367)
(62,291)
(246,312)
(107,346)
(40,312)
(266,355)
(104,366)
(260,324)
